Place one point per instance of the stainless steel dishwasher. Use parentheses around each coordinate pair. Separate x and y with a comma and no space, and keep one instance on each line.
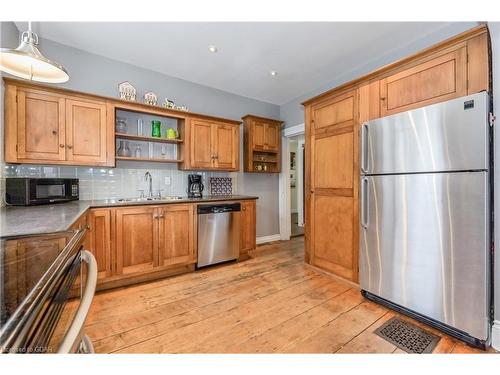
(218,233)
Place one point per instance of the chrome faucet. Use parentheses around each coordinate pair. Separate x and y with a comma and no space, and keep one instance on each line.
(147,176)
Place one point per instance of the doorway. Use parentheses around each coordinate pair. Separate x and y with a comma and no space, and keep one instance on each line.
(292,183)
(296,185)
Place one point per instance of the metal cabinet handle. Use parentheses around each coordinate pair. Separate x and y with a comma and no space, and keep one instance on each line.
(69,341)
(364,148)
(61,145)
(70,147)
(161,216)
(54,132)
(364,202)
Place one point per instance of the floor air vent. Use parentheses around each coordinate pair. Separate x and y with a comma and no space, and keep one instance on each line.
(407,336)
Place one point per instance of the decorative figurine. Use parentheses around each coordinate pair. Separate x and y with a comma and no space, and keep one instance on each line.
(168,103)
(150,98)
(127,91)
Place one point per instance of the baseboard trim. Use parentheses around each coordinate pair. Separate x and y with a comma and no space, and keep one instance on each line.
(271,238)
(495,335)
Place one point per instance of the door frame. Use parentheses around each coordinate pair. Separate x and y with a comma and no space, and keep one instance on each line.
(285,210)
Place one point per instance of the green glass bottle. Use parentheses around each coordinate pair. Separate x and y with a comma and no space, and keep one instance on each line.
(156,128)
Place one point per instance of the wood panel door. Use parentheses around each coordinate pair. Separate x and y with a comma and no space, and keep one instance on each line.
(202,155)
(41,126)
(333,229)
(258,135)
(176,234)
(272,132)
(136,240)
(225,146)
(247,234)
(439,79)
(100,246)
(86,132)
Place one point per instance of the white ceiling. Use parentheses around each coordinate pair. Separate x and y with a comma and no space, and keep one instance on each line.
(305,55)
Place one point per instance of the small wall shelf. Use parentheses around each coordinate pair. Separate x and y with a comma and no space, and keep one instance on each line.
(129,158)
(147,139)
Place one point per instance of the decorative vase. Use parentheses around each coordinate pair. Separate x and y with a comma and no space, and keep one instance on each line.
(123,149)
(156,128)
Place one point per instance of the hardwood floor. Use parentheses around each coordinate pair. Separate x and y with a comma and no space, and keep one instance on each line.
(273,303)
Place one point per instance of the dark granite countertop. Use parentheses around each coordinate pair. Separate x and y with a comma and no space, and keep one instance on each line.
(23,221)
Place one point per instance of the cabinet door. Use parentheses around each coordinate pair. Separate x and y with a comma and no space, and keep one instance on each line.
(41,128)
(259,135)
(100,240)
(436,80)
(226,146)
(247,235)
(334,182)
(272,137)
(86,135)
(136,240)
(202,155)
(176,235)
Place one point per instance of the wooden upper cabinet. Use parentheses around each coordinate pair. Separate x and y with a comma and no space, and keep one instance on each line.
(201,144)
(225,146)
(259,135)
(136,240)
(44,125)
(40,127)
(176,235)
(266,135)
(86,132)
(262,144)
(213,145)
(441,78)
(272,137)
(247,234)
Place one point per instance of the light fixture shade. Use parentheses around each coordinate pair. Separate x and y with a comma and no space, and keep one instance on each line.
(26,61)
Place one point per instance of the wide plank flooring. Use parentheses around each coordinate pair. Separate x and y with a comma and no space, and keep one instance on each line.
(272,303)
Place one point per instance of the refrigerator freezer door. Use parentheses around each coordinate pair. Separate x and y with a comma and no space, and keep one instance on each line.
(449,136)
(424,245)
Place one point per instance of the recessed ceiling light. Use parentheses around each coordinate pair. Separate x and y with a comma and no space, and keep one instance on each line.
(274,73)
(212,49)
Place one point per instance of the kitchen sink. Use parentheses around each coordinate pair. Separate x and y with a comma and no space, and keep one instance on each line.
(143,199)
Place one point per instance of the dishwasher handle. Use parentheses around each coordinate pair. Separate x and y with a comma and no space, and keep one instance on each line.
(218,208)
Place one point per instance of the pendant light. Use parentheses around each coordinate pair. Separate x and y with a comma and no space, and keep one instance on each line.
(26,61)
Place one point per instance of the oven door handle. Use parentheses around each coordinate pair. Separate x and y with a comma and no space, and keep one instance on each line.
(73,334)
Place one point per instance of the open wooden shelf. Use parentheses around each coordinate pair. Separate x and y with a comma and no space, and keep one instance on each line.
(146,138)
(129,158)
(264,161)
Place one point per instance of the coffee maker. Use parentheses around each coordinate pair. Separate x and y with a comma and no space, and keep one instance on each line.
(195,186)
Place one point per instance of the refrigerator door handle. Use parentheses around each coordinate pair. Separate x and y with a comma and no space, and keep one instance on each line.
(364,202)
(364,148)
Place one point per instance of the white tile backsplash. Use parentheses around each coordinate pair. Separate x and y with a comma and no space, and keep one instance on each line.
(119,182)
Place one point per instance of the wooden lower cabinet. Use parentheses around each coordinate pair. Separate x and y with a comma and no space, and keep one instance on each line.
(136,240)
(247,223)
(99,240)
(140,243)
(176,235)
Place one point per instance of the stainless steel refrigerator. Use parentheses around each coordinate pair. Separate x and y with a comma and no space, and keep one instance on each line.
(425,215)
